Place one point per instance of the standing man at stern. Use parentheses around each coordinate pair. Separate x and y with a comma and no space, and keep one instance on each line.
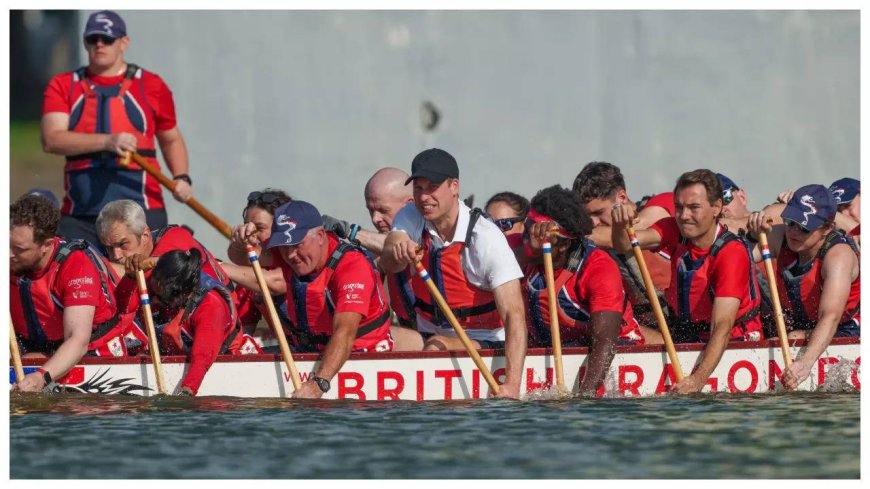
(469,260)
(97,113)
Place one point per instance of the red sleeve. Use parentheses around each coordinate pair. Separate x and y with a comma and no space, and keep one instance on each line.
(730,274)
(127,295)
(56,95)
(352,285)
(664,200)
(856,231)
(78,281)
(248,311)
(209,323)
(669,232)
(603,283)
(160,96)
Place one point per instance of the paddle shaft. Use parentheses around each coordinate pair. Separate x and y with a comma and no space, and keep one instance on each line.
(774,297)
(460,332)
(16,354)
(273,318)
(194,204)
(654,301)
(554,316)
(145,301)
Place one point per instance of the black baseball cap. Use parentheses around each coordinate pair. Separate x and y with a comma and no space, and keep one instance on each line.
(434,164)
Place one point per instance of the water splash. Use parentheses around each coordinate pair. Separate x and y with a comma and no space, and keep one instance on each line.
(838,377)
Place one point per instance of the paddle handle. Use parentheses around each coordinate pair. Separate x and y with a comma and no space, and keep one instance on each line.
(774,298)
(654,301)
(194,204)
(16,354)
(555,334)
(460,332)
(273,318)
(145,302)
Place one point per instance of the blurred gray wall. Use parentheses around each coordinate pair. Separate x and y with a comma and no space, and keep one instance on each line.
(314,102)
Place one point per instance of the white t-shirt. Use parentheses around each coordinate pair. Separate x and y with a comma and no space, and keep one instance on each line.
(487,263)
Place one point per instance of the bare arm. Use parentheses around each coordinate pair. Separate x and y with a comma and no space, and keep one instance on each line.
(77,326)
(839,269)
(246,277)
(337,351)
(399,252)
(724,313)
(58,139)
(175,153)
(509,302)
(622,219)
(605,329)
(649,216)
(371,240)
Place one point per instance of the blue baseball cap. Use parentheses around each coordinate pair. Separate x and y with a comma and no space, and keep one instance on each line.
(845,190)
(292,222)
(48,194)
(728,186)
(106,23)
(811,206)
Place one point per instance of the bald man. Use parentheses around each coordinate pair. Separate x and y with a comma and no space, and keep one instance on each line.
(385,194)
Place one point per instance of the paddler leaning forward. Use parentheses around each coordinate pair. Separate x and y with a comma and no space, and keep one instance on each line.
(714,295)
(334,294)
(470,261)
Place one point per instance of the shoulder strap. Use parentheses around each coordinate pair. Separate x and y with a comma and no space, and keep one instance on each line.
(132,69)
(836,237)
(473,216)
(65,249)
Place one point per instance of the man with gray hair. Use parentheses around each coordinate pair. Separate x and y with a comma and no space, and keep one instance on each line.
(128,241)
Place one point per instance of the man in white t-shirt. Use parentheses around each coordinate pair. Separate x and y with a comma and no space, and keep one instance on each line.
(469,260)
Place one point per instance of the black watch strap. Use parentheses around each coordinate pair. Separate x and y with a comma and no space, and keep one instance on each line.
(322,383)
(185,177)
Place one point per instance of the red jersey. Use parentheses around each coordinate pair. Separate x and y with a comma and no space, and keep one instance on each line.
(659,264)
(699,276)
(207,326)
(136,102)
(800,285)
(348,283)
(75,275)
(594,285)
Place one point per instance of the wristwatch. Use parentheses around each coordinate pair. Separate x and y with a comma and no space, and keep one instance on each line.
(185,177)
(45,375)
(322,383)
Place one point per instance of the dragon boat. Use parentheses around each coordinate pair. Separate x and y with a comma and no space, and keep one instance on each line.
(637,371)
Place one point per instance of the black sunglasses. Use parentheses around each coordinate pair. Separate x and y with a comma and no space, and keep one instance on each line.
(507,223)
(263,197)
(790,223)
(107,41)
(727,196)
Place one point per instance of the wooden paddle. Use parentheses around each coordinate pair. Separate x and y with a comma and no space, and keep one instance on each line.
(774,297)
(194,204)
(145,302)
(654,301)
(460,332)
(273,317)
(554,316)
(16,354)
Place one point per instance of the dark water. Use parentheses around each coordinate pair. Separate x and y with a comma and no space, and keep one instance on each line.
(793,435)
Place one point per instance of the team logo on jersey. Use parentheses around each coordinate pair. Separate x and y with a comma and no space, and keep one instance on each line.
(808,202)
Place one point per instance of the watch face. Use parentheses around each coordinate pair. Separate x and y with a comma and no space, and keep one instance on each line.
(322,383)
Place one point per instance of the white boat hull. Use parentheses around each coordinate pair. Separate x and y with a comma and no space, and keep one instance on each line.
(636,371)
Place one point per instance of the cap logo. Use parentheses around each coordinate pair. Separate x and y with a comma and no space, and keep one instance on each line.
(808,202)
(107,23)
(838,194)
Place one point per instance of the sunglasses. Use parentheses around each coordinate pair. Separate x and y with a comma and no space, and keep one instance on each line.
(790,223)
(106,40)
(507,223)
(727,196)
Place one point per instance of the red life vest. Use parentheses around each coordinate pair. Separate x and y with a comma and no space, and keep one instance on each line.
(800,286)
(401,296)
(42,312)
(112,110)
(690,295)
(473,307)
(574,318)
(311,307)
(178,334)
